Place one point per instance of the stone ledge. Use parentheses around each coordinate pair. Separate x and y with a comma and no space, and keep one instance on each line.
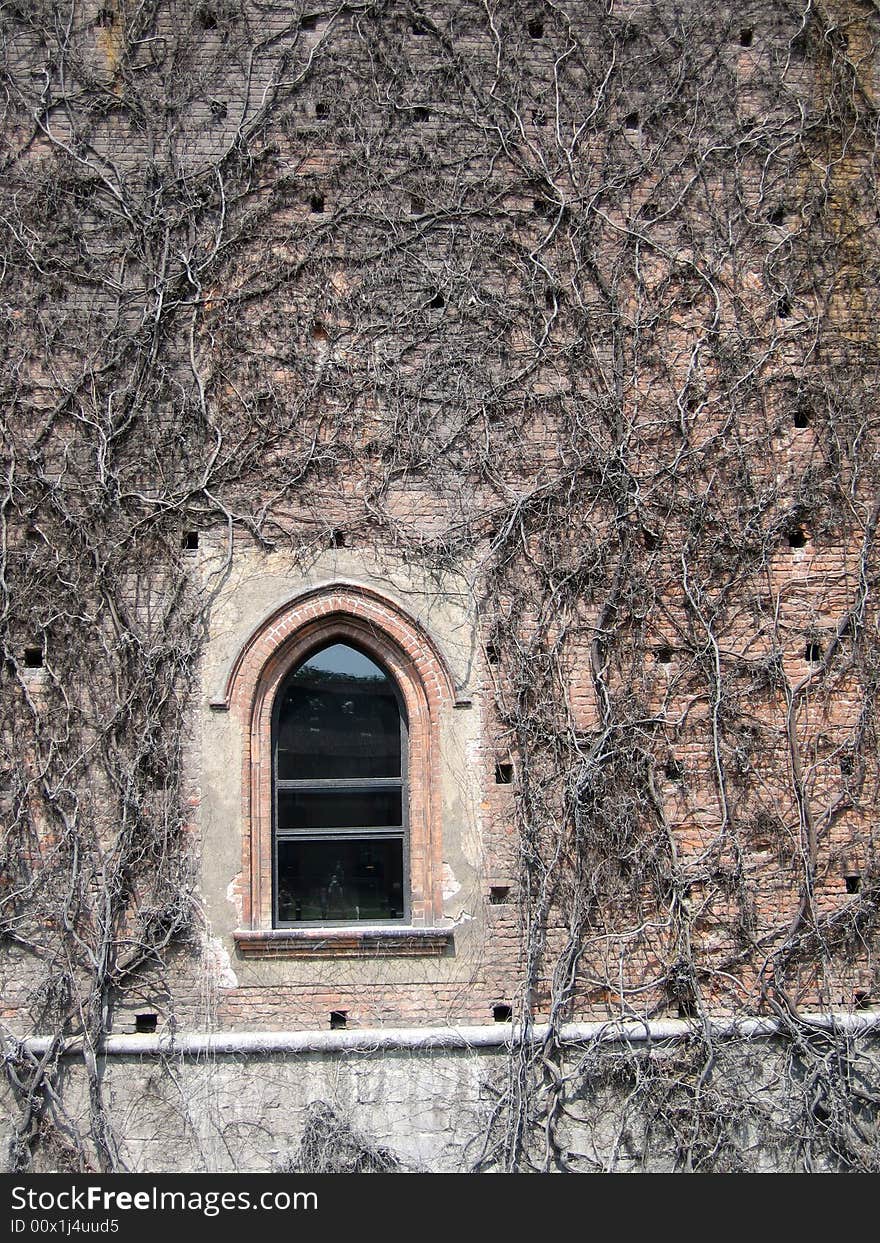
(372,942)
(647,1032)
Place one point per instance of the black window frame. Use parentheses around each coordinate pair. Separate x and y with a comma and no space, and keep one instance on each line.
(317,785)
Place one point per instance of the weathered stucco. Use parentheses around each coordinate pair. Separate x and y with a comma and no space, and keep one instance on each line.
(252,586)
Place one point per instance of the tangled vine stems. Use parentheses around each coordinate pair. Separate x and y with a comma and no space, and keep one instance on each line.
(575,296)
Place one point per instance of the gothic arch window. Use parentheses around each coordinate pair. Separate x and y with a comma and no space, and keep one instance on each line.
(339,697)
(340,807)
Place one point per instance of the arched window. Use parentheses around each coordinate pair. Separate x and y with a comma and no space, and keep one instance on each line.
(340,801)
(340,698)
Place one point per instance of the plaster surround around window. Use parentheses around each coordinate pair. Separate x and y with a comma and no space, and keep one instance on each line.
(305,814)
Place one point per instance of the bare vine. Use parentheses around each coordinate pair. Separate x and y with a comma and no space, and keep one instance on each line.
(578,296)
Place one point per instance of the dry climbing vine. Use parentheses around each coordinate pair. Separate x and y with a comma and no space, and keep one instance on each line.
(575,297)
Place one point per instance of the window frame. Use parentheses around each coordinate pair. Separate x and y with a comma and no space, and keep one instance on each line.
(361,616)
(351,833)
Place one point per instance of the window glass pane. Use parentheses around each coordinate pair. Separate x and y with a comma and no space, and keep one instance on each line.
(338,718)
(344,880)
(337,809)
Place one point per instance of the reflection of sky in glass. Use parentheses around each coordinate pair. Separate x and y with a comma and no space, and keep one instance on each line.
(338,658)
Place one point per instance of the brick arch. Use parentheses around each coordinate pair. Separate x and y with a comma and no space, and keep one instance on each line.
(357,615)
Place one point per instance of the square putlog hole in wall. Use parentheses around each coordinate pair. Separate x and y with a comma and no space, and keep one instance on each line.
(206,17)
(190,541)
(853,882)
(33,658)
(338,1019)
(503,774)
(499,895)
(502,1014)
(145,1024)
(316,204)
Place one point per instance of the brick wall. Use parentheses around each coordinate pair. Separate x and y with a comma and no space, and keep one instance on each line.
(533,344)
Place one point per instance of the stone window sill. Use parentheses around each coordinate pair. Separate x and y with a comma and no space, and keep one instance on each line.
(375,942)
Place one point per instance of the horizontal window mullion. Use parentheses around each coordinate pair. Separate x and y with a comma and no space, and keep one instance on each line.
(342,783)
(365,833)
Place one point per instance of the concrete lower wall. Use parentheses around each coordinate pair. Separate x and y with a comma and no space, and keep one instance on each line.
(248,1113)
(624,1099)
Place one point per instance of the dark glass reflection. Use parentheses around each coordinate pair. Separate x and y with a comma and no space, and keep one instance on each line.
(355,879)
(339,809)
(338,718)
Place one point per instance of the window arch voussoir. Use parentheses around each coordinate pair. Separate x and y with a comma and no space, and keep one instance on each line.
(354,619)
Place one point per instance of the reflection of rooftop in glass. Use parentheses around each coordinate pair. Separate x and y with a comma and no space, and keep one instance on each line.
(339,658)
(338,717)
